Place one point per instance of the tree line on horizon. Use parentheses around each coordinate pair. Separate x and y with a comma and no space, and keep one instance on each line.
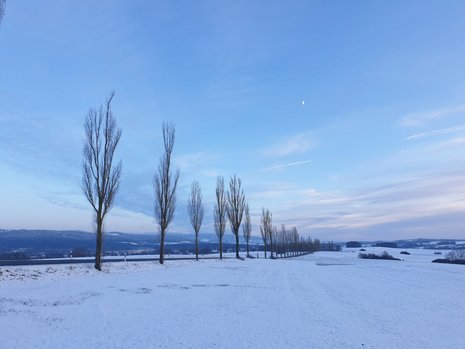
(101,179)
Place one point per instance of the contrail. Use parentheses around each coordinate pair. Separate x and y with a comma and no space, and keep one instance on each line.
(284,165)
(440,131)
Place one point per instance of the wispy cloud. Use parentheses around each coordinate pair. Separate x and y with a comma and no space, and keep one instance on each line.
(45,144)
(283,165)
(229,92)
(451,142)
(421,118)
(189,161)
(369,208)
(296,144)
(437,132)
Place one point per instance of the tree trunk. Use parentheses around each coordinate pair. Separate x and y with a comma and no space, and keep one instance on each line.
(237,244)
(197,246)
(162,247)
(98,246)
(265,248)
(248,255)
(271,249)
(221,248)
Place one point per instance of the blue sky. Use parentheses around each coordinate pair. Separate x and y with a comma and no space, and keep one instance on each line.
(346,119)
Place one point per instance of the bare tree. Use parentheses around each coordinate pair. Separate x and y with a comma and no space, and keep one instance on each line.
(236,205)
(289,243)
(284,239)
(295,240)
(196,212)
(219,213)
(247,228)
(100,178)
(269,233)
(2,9)
(165,183)
(274,236)
(281,241)
(456,255)
(265,227)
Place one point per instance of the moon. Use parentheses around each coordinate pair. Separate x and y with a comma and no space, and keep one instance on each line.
(303,103)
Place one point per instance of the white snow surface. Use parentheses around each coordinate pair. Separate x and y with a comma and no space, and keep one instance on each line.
(324,300)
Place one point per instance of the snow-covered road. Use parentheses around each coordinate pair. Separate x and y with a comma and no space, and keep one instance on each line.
(325,300)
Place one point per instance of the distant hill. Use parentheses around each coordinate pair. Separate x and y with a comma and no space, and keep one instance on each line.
(440,244)
(21,244)
(51,243)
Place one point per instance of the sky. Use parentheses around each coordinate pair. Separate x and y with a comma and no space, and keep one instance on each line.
(345,119)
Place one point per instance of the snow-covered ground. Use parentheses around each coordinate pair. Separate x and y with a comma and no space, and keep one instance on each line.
(325,300)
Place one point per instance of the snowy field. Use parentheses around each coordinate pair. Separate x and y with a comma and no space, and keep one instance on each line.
(325,300)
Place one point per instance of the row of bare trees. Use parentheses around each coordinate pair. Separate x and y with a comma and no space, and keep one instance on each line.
(284,242)
(101,178)
(101,175)
(232,206)
(229,206)
(288,243)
